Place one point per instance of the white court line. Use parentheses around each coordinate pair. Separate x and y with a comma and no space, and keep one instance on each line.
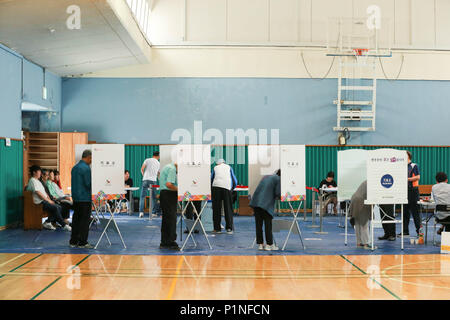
(10,260)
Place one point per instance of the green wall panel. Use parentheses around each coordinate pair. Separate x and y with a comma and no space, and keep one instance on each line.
(319,160)
(11,185)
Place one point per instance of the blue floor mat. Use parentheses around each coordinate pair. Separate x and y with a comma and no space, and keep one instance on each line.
(142,237)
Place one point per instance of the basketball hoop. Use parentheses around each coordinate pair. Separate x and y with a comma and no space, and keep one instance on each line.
(360,51)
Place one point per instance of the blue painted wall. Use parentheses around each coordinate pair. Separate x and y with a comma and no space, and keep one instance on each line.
(146,111)
(31,80)
(10,94)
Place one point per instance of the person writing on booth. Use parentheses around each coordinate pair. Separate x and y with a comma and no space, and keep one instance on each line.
(263,204)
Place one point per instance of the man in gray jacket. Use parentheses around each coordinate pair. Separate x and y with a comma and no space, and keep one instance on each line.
(263,204)
(361,214)
(441,196)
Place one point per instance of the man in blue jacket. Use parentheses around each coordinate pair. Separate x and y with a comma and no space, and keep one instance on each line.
(82,197)
(263,204)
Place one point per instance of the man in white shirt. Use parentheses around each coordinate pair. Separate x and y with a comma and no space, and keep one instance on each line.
(41,197)
(150,172)
(440,193)
(223,183)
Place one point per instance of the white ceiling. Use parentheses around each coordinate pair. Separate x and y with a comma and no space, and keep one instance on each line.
(101,43)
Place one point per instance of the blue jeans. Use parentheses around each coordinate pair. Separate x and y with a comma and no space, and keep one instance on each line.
(145,185)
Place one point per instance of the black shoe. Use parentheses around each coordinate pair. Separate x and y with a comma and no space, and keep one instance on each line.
(164,246)
(391,238)
(385,237)
(73,245)
(352,222)
(174,246)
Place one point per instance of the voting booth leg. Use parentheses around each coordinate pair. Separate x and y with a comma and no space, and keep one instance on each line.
(197,220)
(313,211)
(111,219)
(345,222)
(372,227)
(294,221)
(183,217)
(321,220)
(99,211)
(401,219)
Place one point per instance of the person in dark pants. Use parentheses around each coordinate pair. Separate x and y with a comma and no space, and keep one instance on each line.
(40,196)
(189,213)
(387,214)
(223,183)
(82,197)
(168,201)
(263,204)
(413,196)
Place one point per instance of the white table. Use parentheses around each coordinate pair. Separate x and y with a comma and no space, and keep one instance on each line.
(130,192)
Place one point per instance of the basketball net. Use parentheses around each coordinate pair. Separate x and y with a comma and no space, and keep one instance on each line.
(361,55)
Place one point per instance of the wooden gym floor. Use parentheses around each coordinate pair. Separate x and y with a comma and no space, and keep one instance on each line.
(72,276)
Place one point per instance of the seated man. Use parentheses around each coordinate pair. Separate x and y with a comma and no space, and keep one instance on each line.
(329,182)
(41,197)
(128,184)
(440,192)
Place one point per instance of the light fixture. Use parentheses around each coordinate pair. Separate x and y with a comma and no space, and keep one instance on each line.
(44,88)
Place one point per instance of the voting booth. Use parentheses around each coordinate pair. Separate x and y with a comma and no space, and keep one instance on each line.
(387,183)
(293,185)
(352,171)
(194,183)
(262,160)
(107,181)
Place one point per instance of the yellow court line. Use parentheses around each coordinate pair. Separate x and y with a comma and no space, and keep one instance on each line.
(174,281)
(10,260)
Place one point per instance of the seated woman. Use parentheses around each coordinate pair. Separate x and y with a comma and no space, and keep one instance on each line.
(55,190)
(40,197)
(360,214)
(57,178)
(65,205)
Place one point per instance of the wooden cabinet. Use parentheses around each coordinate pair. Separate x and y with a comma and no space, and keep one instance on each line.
(52,150)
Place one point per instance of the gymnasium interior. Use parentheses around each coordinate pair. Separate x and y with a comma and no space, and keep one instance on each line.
(329,75)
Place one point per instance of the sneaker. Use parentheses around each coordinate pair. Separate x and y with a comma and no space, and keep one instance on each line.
(86,246)
(221,227)
(404,234)
(229,231)
(67,228)
(48,225)
(174,246)
(391,238)
(271,247)
(385,237)
(154,215)
(215,231)
(260,247)
(72,245)
(369,247)
(141,214)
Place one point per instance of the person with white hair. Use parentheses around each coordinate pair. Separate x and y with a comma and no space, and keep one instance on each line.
(223,183)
